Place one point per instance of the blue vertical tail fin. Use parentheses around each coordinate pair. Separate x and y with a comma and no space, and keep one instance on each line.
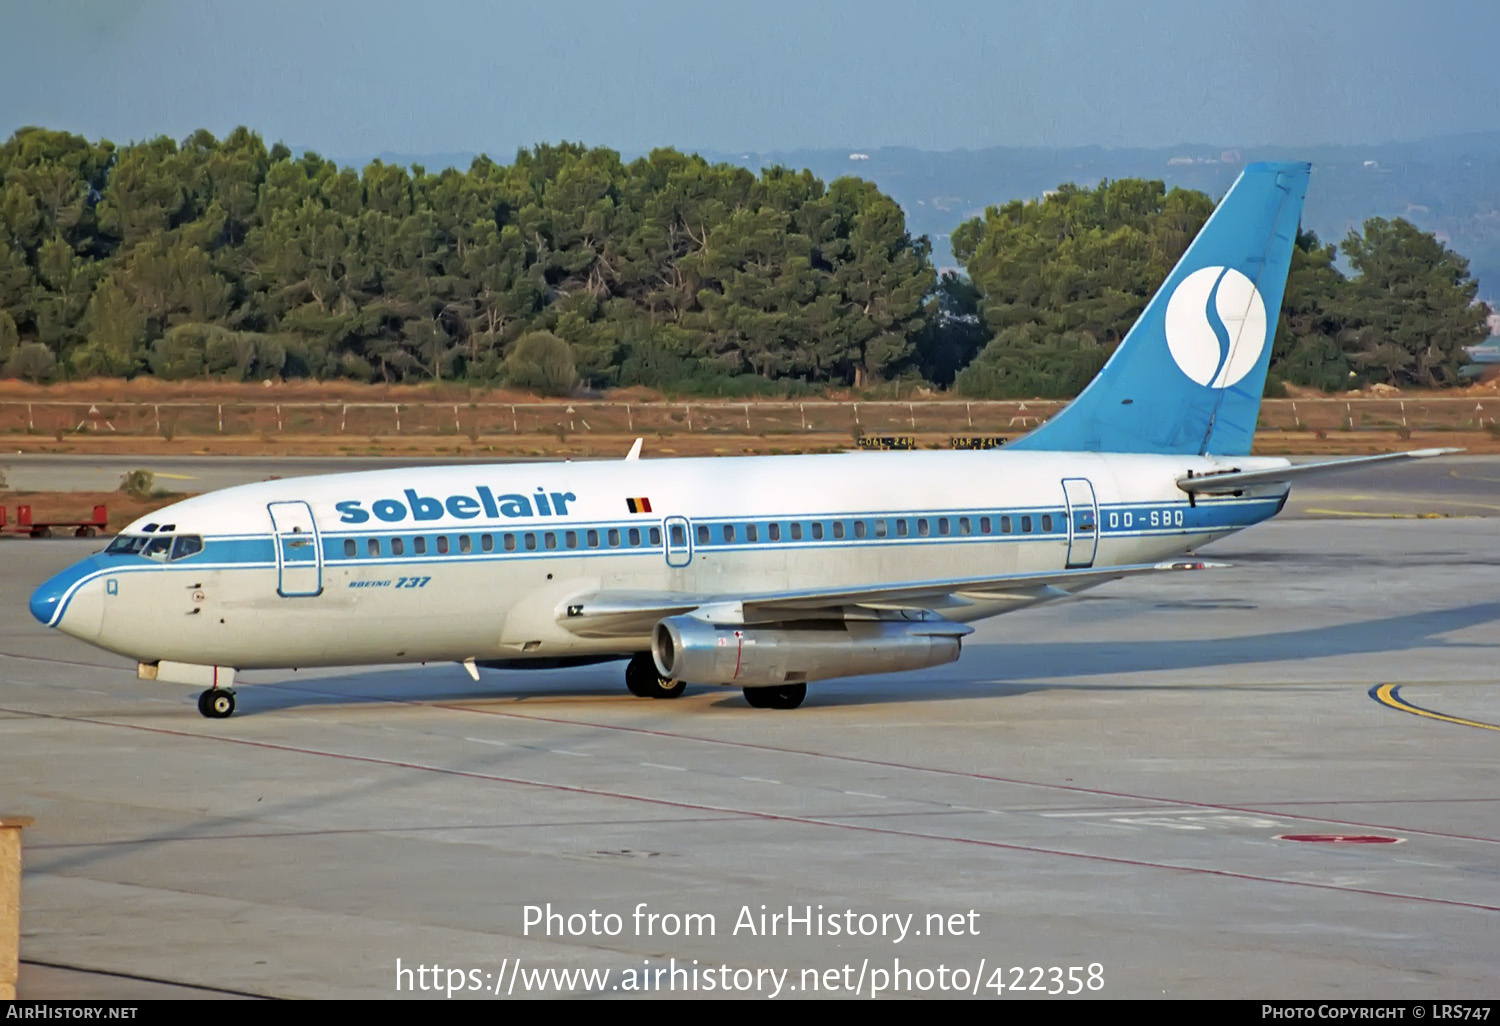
(1189,375)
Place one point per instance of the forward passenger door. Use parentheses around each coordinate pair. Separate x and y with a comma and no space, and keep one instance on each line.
(299,556)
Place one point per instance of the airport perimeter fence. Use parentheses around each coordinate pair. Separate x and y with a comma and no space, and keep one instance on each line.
(600,417)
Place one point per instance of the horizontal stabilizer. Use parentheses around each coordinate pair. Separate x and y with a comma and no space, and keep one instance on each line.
(1237,480)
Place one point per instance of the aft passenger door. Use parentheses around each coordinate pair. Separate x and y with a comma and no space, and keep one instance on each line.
(299,557)
(678,538)
(1083,521)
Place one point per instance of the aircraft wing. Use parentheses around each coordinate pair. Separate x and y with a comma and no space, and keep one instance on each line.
(609,614)
(1236,480)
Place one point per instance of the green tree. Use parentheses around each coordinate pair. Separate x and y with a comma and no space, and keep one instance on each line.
(1309,344)
(1410,307)
(541,361)
(1061,280)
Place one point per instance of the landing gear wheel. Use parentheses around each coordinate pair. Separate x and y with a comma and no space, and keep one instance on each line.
(644,680)
(216,703)
(782,696)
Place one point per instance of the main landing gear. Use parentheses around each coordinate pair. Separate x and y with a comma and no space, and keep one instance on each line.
(645,681)
(216,703)
(781,696)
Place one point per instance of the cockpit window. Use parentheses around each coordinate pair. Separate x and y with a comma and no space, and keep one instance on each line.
(160,547)
(186,545)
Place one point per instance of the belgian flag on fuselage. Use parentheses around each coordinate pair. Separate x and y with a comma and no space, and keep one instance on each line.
(639,505)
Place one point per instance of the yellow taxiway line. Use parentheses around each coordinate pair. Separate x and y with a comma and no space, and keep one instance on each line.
(1390,695)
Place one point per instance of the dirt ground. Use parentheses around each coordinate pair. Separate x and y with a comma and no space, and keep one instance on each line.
(309,418)
(1270,443)
(153,418)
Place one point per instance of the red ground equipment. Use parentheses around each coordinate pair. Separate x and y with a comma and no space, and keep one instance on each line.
(47,528)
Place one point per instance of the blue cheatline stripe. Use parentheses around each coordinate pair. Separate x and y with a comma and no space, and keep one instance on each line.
(519,525)
(1116,521)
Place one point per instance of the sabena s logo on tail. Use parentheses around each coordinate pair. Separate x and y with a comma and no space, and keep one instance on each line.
(1216,326)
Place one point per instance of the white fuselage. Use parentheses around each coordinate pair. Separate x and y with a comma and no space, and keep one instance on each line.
(306,572)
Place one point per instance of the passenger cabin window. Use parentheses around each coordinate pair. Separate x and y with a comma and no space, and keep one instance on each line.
(1046,521)
(880,528)
(510,543)
(751,534)
(859,529)
(530,542)
(817,529)
(702,534)
(614,538)
(463,544)
(655,534)
(350,548)
(796,532)
(550,540)
(442,544)
(942,525)
(838,528)
(728,534)
(901,529)
(570,539)
(984,525)
(922,529)
(635,537)
(398,547)
(593,539)
(773,532)
(1005,525)
(419,545)
(487,542)
(1025,525)
(372,546)
(964,526)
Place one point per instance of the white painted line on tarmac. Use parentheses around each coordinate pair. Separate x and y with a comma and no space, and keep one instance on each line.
(657,765)
(1115,812)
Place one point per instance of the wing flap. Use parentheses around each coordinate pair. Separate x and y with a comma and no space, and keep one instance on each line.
(608,614)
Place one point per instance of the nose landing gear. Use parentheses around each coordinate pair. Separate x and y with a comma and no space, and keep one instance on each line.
(216,703)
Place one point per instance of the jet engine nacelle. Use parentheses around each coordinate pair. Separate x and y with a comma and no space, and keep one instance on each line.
(689,649)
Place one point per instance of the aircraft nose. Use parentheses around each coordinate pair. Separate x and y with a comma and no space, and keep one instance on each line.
(46,600)
(52,599)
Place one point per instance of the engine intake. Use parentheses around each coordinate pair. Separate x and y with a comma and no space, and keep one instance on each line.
(689,649)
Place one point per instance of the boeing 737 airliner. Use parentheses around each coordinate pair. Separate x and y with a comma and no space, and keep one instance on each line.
(763,573)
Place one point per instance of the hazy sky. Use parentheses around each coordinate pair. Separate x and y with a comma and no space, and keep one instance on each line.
(357,77)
